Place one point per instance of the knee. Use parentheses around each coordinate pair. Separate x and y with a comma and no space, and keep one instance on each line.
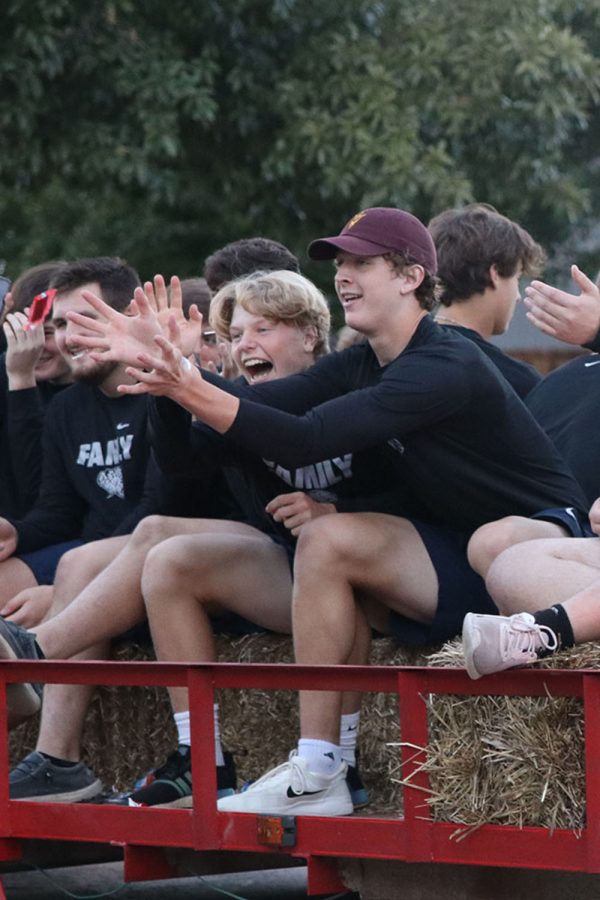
(321,542)
(489,541)
(149,532)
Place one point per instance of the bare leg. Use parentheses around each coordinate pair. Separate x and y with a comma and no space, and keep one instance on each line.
(97,609)
(186,578)
(15,576)
(492,539)
(112,603)
(535,575)
(65,705)
(384,559)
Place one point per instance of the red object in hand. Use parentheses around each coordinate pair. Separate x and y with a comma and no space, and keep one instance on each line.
(40,308)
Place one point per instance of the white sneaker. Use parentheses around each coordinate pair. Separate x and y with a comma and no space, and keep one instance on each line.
(494,643)
(292,790)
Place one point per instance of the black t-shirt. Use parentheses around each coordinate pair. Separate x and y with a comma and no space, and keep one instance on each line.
(456,436)
(566,404)
(522,376)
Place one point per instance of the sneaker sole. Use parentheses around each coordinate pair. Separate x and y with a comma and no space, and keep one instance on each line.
(86,793)
(298,808)
(180,803)
(22,699)
(469,648)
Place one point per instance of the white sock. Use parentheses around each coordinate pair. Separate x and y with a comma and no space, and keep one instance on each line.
(348,735)
(182,722)
(218,749)
(322,757)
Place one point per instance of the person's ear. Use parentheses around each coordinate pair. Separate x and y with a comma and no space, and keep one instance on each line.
(494,275)
(412,277)
(310,338)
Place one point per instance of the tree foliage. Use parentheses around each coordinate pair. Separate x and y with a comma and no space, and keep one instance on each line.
(161,130)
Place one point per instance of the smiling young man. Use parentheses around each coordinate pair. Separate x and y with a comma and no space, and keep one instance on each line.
(459,443)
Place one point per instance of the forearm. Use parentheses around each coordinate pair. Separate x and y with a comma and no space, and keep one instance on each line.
(207,402)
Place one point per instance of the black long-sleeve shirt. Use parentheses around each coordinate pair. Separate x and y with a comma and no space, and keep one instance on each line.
(459,440)
(95,480)
(22,416)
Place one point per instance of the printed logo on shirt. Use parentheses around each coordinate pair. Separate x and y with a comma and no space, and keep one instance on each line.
(317,476)
(593,362)
(110,454)
(122,425)
(396,445)
(111,481)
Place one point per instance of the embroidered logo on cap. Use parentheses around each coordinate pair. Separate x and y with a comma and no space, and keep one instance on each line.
(354,220)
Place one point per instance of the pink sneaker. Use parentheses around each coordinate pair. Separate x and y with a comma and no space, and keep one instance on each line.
(494,643)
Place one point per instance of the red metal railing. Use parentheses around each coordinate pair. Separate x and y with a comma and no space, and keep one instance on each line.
(413,838)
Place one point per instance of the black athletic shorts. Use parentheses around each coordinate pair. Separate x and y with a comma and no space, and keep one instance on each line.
(43,562)
(461,590)
(576,523)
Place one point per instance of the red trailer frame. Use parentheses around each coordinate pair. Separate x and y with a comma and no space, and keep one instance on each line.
(144,833)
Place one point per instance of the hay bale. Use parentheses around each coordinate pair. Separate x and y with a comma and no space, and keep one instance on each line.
(508,760)
(129,730)
(503,760)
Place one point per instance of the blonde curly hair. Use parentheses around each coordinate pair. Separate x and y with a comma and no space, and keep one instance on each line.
(280,296)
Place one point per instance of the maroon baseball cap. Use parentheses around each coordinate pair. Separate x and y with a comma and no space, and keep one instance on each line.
(379,230)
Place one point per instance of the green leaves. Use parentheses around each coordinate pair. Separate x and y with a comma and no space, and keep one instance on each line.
(162,130)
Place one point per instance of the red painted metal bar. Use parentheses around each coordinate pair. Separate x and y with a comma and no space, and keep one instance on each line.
(415,738)
(206,827)
(416,837)
(591,695)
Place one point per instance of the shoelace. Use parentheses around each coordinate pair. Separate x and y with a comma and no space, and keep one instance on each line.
(293,767)
(524,637)
(26,766)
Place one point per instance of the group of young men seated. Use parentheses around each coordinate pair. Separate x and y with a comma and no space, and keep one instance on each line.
(399,487)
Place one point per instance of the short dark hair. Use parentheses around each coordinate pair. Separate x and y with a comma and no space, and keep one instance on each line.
(425,293)
(117,280)
(469,241)
(246,256)
(195,290)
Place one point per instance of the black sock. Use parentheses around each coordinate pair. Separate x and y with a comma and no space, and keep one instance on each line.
(56,761)
(556,619)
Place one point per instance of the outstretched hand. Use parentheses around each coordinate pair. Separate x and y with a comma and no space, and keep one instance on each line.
(117,337)
(164,373)
(574,318)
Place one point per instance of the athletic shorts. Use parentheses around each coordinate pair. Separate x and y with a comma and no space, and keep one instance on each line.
(461,590)
(43,562)
(576,523)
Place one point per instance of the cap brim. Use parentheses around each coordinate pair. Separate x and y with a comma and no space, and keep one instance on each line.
(327,248)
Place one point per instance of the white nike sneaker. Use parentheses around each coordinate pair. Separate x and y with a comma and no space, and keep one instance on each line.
(292,790)
(494,643)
